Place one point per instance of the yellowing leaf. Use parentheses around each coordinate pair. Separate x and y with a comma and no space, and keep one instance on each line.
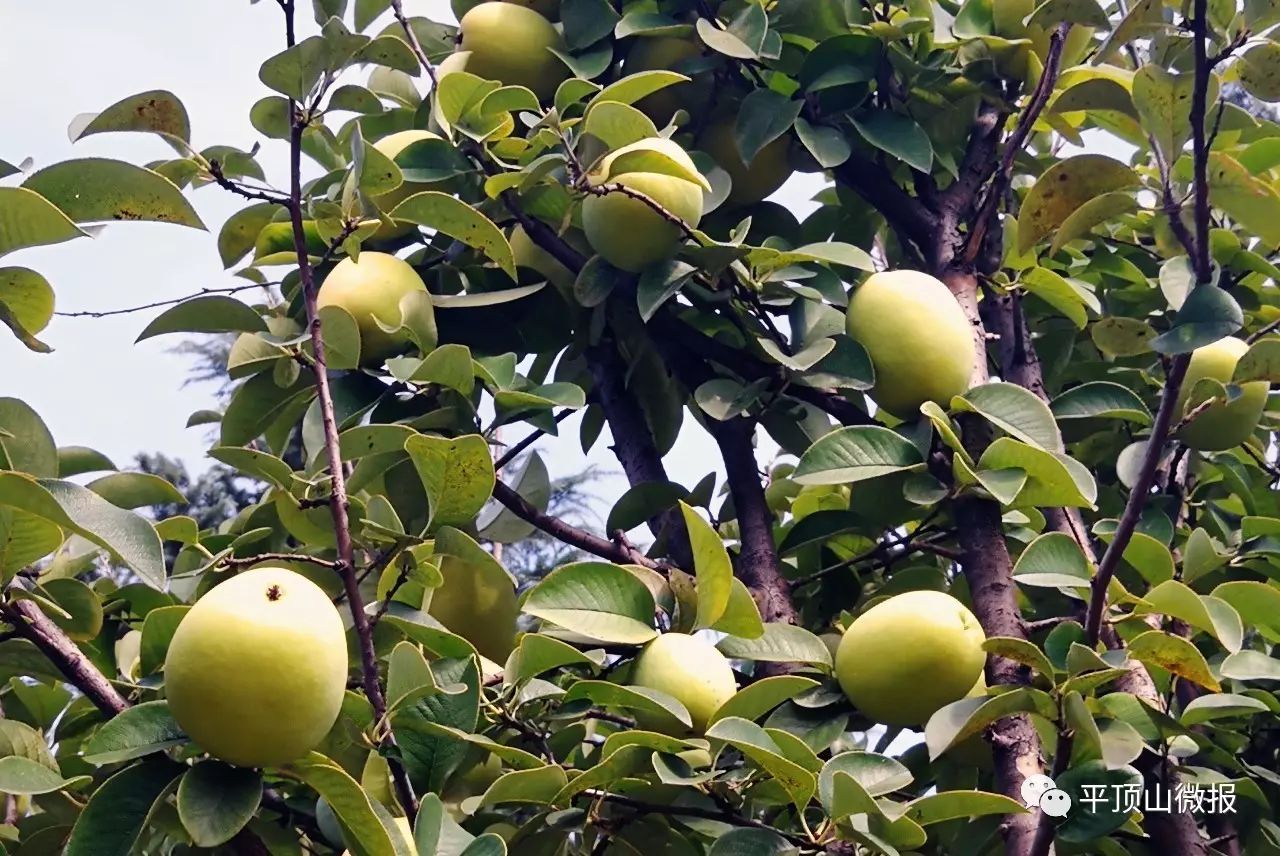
(1063,188)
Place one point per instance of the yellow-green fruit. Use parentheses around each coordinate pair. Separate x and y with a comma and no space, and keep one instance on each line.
(511,44)
(919,341)
(392,145)
(371,287)
(256,670)
(689,669)
(627,231)
(530,255)
(477,602)
(549,9)
(908,656)
(665,53)
(752,182)
(1222,425)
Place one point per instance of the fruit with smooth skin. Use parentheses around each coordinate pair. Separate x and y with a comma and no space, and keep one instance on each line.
(257,669)
(530,255)
(1222,425)
(392,145)
(908,656)
(628,232)
(752,182)
(652,53)
(919,341)
(368,288)
(512,44)
(477,602)
(690,670)
(549,9)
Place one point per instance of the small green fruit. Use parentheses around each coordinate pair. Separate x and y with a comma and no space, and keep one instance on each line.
(690,670)
(908,656)
(627,231)
(1223,425)
(369,288)
(768,170)
(919,341)
(512,44)
(256,671)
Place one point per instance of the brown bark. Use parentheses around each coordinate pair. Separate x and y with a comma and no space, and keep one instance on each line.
(31,623)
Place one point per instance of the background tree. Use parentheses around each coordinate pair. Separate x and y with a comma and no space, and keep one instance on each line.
(1049,545)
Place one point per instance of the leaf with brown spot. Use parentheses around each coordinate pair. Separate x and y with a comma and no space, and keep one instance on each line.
(155,112)
(1063,188)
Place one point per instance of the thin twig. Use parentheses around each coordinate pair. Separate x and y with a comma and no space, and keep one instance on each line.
(514,451)
(246,561)
(397,9)
(234,289)
(239,189)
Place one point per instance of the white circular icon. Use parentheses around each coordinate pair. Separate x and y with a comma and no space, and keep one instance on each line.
(1034,787)
(1055,802)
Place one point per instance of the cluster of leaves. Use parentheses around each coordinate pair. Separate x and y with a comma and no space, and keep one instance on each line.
(552,751)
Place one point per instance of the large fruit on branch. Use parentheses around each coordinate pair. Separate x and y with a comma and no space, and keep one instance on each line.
(370,289)
(919,341)
(690,670)
(256,670)
(391,146)
(908,656)
(512,44)
(627,231)
(1221,425)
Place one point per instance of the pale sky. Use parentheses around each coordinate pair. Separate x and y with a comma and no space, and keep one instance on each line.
(98,388)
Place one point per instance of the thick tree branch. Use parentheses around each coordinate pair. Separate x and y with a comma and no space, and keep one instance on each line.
(561,530)
(32,624)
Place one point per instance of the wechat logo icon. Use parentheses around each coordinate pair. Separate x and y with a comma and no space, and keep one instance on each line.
(1040,792)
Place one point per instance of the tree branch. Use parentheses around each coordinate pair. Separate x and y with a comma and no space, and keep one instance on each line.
(234,289)
(568,533)
(340,504)
(32,624)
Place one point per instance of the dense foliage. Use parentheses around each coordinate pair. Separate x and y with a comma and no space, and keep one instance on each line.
(576,192)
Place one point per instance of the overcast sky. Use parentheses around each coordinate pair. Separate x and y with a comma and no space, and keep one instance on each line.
(98,388)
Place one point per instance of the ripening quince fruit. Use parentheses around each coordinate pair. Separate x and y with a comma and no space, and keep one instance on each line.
(392,145)
(690,670)
(919,341)
(752,182)
(372,288)
(256,671)
(908,656)
(478,602)
(653,53)
(1222,425)
(628,232)
(512,44)
(549,9)
(530,255)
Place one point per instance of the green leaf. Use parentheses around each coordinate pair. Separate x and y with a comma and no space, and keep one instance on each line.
(1208,314)
(348,801)
(663,710)
(538,654)
(827,145)
(1100,819)
(82,511)
(617,125)
(598,600)
(1063,188)
(756,744)
(876,775)
(118,810)
(260,465)
(81,617)
(780,643)
(1174,654)
(211,313)
(537,787)
(27,219)
(755,700)
(1122,337)
(486,844)
(135,490)
(856,453)
(1086,13)
(724,41)
(421,725)
(763,116)
(1251,202)
(952,805)
(1053,289)
(1163,101)
(296,70)
(140,730)
(157,632)
(741,617)
(1260,362)
(27,298)
(751,842)
(899,136)
(1098,211)
(969,716)
(457,474)
(531,480)
(22,776)
(1053,479)
(1053,553)
(1208,708)
(25,442)
(642,501)
(24,539)
(157,111)
(92,190)
(455,218)
(1259,68)
(633,87)
(713,570)
(1258,603)
(1016,410)
(1021,651)
(77,460)
(1100,400)
(216,800)
(1250,666)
